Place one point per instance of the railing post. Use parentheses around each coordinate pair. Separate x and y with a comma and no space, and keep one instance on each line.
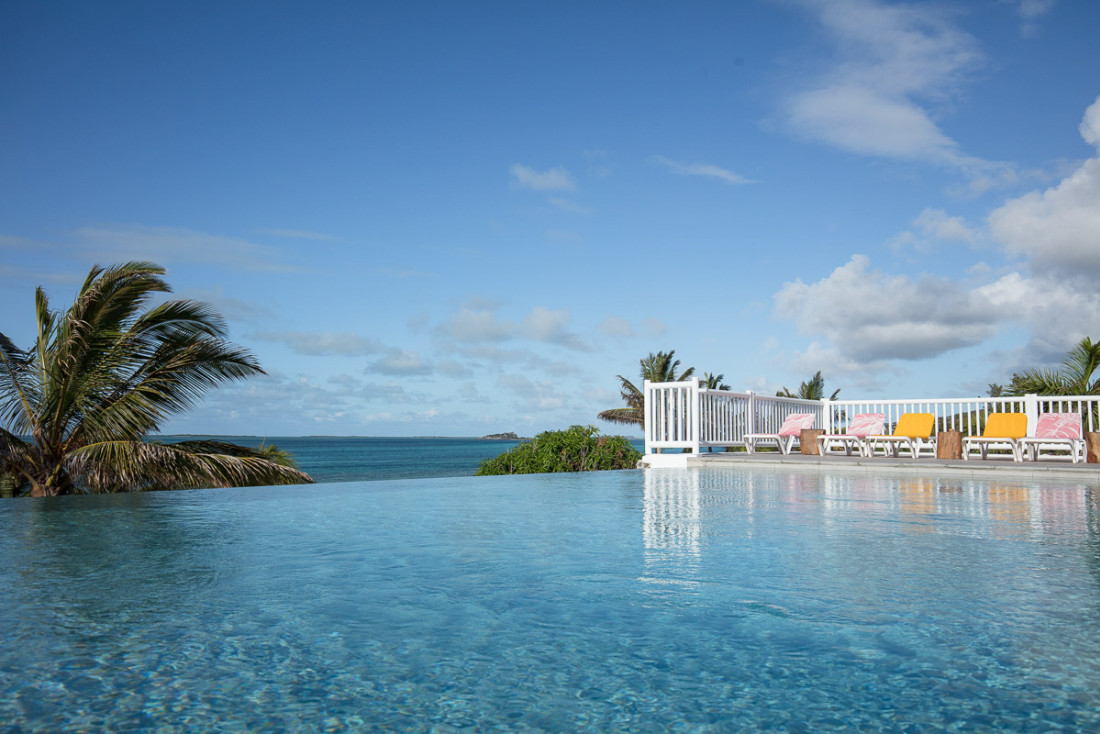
(750,414)
(827,411)
(1031,408)
(696,425)
(647,418)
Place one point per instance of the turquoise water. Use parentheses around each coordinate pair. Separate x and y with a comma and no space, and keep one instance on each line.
(692,600)
(351,459)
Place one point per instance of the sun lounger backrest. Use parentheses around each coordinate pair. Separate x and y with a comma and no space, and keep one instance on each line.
(1058,425)
(915,425)
(1005,425)
(866,424)
(795,422)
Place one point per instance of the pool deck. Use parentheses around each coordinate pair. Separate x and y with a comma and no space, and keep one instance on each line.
(992,468)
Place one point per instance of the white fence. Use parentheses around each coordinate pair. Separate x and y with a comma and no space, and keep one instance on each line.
(686,415)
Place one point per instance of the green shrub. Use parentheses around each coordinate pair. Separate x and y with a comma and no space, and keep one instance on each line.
(578,448)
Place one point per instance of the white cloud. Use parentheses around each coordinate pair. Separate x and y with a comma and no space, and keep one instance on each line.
(324,343)
(894,60)
(544,325)
(8,242)
(869,316)
(403,362)
(539,396)
(1030,12)
(706,170)
(231,308)
(1090,125)
(616,326)
(932,227)
(836,366)
(863,120)
(168,245)
(1057,315)
(553,179)
(478,323)
(1058,230)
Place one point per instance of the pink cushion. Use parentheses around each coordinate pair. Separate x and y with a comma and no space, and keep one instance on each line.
(795,422)
(866,424)
(1058,425)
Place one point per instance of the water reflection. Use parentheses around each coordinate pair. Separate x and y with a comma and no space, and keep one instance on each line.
(680,504)
(671,526)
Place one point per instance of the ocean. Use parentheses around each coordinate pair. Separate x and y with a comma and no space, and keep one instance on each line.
(356,458)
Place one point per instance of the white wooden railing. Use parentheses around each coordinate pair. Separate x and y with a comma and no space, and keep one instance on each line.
(686,415)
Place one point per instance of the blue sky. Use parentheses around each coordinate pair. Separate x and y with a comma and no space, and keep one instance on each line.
(461,218)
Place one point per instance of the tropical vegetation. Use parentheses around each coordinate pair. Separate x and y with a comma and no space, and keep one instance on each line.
(77,407)
(578,448)
(714,382)
(1079,374)
(812,389)
(659,367)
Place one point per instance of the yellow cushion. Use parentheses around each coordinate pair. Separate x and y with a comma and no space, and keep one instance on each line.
(915,425)
(1005,425)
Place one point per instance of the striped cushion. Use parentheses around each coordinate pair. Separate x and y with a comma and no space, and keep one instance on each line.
(866,424)
(795,422)
(1058,425)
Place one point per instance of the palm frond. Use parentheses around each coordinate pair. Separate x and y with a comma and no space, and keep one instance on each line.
(129,466)
(623,416)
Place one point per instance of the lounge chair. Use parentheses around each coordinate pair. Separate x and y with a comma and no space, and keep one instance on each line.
(1001,430)
(862,426)
(1055,431)
(913,431)
(788,433)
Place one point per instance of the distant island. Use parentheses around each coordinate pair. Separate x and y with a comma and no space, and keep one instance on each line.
(501,437)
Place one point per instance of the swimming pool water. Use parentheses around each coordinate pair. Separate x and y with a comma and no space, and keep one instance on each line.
(694,600)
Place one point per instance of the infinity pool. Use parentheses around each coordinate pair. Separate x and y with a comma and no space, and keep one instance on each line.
(689,600)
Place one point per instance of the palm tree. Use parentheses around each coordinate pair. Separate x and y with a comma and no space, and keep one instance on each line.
(659,367)
(812,390)
(1075,377)
(76,407)
(714,382)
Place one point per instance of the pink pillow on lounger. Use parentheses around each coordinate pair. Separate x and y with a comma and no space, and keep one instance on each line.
(866,424)
(1058,425)
(795,422)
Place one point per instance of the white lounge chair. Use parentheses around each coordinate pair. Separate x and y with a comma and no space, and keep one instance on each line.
(1002,430)
(913,431)
(788,433)
(860,427)
(1055,431)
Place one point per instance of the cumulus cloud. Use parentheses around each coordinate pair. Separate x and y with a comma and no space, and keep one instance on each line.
(544,325)
(1058,230)
(894,59)
(932,227)
(706,170)
(324,343)
(401,362)
(534,395)
(553,179)
(478,323)
(870,316)
(1056,315)
(618,327)
(177,245)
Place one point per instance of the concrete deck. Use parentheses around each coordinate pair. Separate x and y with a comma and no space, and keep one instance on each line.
(991,468)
